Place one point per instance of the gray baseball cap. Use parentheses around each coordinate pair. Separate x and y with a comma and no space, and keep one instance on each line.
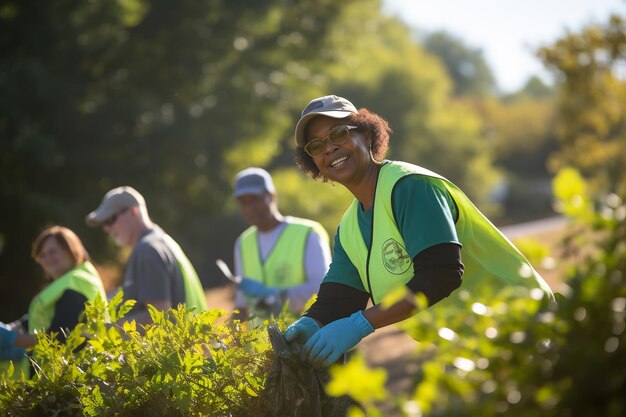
(113,202)
(253,181)
(330,106)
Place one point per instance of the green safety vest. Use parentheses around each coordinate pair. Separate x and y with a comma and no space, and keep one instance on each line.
(83,278)
(284,267)
(194,293)
(490,259)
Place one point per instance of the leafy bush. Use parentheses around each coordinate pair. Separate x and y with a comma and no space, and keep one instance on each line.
(182,364)
(516,356)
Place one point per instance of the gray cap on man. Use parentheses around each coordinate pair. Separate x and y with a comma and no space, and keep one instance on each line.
(113,202)
(253,181)
(329,106)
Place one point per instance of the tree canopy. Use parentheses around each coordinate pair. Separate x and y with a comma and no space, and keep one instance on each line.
(592,122)
(465,65)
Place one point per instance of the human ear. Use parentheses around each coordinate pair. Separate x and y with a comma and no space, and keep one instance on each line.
(368,139)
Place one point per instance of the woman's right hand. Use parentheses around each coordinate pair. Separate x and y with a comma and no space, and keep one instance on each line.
(301,330)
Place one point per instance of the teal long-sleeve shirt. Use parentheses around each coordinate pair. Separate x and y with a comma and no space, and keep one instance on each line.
(425,214)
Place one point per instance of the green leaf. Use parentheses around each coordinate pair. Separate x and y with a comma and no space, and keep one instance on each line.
(358,381)
(125,308)
(129,327)
(251,392)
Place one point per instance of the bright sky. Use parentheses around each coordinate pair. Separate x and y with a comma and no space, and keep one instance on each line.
(507,31)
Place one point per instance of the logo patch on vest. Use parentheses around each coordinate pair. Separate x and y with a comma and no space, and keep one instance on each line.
(282,275)
(395,257)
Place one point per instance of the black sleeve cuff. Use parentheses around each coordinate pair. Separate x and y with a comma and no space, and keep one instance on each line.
(438,271)
(336,301)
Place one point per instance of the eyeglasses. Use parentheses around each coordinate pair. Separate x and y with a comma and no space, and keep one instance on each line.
(336,136)
(113,218)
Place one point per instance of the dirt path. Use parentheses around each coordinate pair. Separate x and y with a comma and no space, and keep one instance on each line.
(391,349)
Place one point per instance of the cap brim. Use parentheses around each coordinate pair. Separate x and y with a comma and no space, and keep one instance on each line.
(97,217)
(301,126)
(249,190)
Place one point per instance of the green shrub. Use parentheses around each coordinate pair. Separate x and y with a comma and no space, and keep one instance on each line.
(182,364)
(517,356)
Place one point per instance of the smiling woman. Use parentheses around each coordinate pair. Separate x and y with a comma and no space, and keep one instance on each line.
(361,122)
(57,250)
(58,307)
(405,229)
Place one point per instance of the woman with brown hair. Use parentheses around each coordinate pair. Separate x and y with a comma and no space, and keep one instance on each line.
(73,281)
(407,227)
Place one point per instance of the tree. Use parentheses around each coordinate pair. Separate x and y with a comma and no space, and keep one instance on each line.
(535,87)
(569,360)
(520,131)
(465,65)
(591,124)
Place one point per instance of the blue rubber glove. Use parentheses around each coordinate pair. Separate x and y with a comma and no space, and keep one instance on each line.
(7,337)
(12,354)
(253,288)
(333,340)
(301,330)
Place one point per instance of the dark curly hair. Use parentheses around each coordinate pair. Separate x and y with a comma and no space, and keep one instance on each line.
(365,121)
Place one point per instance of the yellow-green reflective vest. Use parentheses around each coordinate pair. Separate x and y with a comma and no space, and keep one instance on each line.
(194,293)
(83,278)
(490,259)
(284,267)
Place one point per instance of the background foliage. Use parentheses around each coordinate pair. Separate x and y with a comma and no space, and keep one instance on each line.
(591,123)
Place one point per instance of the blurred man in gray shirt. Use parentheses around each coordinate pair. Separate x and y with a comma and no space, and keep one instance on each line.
(157,272)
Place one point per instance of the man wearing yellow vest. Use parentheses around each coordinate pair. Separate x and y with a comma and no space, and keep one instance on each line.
(157,272)
(281,258)
(407,227)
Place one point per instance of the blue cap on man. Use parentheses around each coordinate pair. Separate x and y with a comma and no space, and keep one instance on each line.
(253,181)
